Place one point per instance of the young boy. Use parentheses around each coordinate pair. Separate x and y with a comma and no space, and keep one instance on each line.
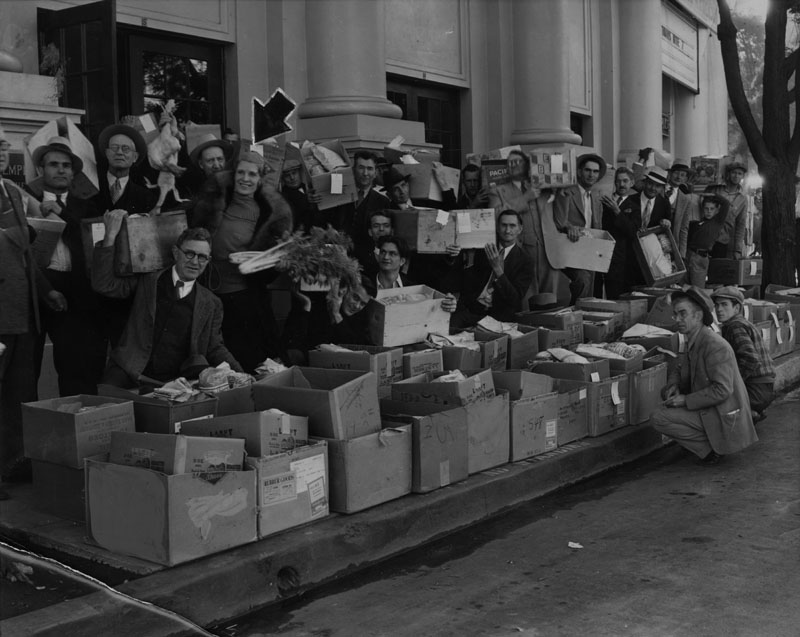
(703,234)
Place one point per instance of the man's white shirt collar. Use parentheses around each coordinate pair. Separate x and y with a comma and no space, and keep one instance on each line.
(187,285)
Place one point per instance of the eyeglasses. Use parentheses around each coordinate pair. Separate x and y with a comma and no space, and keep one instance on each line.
(125,150)
(4,146)
(190,255)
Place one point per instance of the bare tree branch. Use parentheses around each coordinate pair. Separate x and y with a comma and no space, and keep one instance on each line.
(726,32)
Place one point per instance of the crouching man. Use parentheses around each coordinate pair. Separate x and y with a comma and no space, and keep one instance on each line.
(755,364)
(706,406)
(174,328)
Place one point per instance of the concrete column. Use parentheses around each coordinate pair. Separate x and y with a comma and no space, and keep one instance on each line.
(640,78)
(346,49)
(541,74)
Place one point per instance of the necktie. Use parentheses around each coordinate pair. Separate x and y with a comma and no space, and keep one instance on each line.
(587,208)
(670,190)
(60,201)
(116,191)
(178,288)
(646,215)
(360,197)
(524,187)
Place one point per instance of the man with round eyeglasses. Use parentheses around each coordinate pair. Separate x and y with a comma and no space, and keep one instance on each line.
(175,325)
(121,148)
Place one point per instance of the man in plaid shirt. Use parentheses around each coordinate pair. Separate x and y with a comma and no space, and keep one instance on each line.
(755,364)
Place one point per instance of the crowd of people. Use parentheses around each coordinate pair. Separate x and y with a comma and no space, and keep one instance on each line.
(144,330)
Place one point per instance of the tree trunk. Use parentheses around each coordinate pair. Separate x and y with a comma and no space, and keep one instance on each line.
(778,223)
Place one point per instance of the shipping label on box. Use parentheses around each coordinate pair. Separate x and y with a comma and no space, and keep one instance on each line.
(175,453)
(339,403)
(534,426)
(645,390)
(265,432)
(370,469)
(565,319)
(426,360)
(168,519)
(292,487)
(401,316)
(476,387)
(386,363)
(335,188)
(67,430)
(521,384)
(573,412)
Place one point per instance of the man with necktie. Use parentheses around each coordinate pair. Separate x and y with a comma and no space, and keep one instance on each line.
(78,334)
(616,280)
(683,205)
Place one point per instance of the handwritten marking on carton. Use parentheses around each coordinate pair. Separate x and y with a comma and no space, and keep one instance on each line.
(441,429)
(202,509)
(354,402)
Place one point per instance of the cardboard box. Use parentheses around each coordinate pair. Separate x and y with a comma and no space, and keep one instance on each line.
(423,183)
(339,403)
(607,407)
(645,390)
(651,274)
(639,294)
(633,309)
(400,323)
(60,490)
(618,366)
(168,519)
(522,349)
(533,426)
(660,314)
(675,342)
(265,433)
(144,244)
(564,319)
(478,386)
(430,231)
(489,438)
(385,362)
(521,384)
(455,357)
(601,327)
(439,447)
(735,271)
(426,360)
(330,197)
(370,469)
(553,338)
(756,311)
(48,232)
(238,400)
(159,416)
(494,350)
(494,172)
(708,170)
(766,329)
(176,453)
(573,414)
(552,166)
(67,438)
(292,488)
(593,371)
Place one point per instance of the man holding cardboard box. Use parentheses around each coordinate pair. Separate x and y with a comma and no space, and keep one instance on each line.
(755,364)
(706,408)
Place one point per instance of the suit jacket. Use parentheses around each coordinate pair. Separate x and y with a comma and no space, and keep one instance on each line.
(508,197)
(735,229)
(568,209)
(709,377)
(509,289)
(682,214)
(632,211)
(353,219)
(135,347)
(135,199)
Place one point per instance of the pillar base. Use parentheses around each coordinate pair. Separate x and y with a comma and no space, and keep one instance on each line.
(348,105)
(364,132)
(545,136)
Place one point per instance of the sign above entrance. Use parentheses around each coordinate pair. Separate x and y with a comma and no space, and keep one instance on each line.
(679,47)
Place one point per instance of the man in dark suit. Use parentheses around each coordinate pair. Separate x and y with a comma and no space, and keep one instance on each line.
(353,218)
(175,325)
(78,334)
(683,204)
(706,410)
(499,278)
(473,195)
(576,208)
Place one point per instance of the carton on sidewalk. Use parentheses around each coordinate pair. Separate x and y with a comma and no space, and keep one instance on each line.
(175,453)
(593,371)
(459,357)
(533,426)
(573,413)
(521,349)
(477,386)
(552,338)
(168,519)
(494,350)
(421,361)
(645,389)
(339,403)
(735,271)
(521,384)
(601,327)
(160,416)
(564,319)
(607,403)
(265,433)
(384,362)
(369,470)
(634,310)
(57,430)
(292,488)
(401,316)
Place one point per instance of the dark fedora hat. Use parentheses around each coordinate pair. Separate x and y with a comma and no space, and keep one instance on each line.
(582,159)
(699,297)
(680,164)
(393,177)
(122,129)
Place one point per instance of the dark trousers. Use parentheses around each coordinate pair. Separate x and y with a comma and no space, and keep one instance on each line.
(17,386)
(580,283)
(761,395)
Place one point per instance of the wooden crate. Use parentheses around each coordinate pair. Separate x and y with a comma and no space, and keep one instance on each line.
(656,278)
(735,271)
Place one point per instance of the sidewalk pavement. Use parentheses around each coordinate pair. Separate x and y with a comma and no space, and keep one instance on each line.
(227,585)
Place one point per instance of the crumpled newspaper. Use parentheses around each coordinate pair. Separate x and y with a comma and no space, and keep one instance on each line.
(179,390)
(493,325)
(463,339)
(331,347)
(642,329)
(453,376)
(270,366)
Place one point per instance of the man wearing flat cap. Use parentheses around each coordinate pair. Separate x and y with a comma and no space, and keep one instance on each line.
(78,334)
(681,201)
(730,244)
(577,208)
(706,408)
(755,365)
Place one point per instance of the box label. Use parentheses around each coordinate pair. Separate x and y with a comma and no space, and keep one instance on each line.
(278,488)
(316,493)
(308,470)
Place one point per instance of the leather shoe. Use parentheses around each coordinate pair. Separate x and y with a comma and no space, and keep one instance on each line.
(711,459)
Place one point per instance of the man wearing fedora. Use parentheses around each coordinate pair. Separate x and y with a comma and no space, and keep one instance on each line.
(681,201)
(755,365)
(730,244)
(78,334)
(706,408)
(122,148)
(578,207)
(211,154)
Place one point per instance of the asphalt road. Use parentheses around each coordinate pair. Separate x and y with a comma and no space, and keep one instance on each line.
(663,547)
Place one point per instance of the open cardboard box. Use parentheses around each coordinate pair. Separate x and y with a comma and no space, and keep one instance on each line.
(393,319)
